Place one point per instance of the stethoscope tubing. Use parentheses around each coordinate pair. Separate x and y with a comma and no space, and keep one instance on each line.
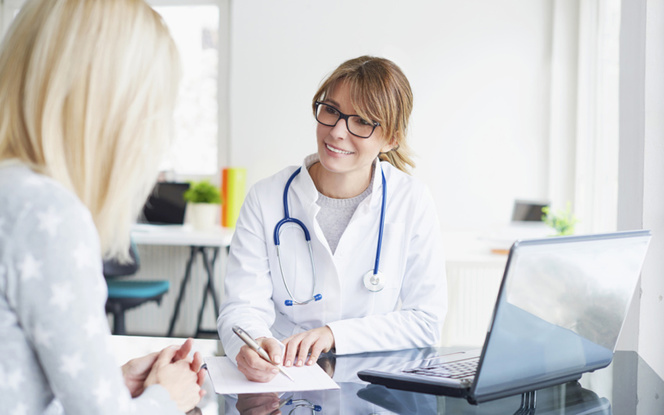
(288,219)
(382,224)
(307,237)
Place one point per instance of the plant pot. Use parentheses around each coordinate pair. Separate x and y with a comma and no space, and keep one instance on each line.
(203,216)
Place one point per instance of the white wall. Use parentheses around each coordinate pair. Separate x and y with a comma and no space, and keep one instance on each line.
(641,173)
(479,71)
(651,341)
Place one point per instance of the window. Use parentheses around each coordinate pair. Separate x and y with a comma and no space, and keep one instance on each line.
(195,29)
(194,25)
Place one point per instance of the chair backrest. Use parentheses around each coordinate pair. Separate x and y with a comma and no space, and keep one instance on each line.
(114,268)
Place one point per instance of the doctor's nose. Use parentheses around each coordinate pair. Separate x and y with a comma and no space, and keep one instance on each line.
(340,129)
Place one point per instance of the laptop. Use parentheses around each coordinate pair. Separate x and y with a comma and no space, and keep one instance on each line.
(559,311)
(166,204)
(528,211)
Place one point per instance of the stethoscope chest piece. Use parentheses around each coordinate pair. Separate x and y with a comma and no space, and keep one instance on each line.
(374,282)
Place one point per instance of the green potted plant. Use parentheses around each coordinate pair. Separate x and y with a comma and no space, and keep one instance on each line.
(562,221)
(203,200)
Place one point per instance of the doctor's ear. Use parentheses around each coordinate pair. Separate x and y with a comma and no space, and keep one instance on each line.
(391,145)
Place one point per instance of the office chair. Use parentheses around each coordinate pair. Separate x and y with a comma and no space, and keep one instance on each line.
(126,294)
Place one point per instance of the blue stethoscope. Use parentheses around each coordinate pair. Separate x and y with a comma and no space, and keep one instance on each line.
(373,280)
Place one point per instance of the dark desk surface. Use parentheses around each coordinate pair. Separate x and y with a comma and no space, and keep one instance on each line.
(628,386)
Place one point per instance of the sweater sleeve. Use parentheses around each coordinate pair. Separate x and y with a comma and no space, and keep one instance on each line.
(59,295)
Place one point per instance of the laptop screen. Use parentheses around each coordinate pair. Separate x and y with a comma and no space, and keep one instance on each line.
(166,204)
(560,309)
(528,211)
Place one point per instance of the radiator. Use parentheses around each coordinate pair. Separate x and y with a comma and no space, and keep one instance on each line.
(472,290)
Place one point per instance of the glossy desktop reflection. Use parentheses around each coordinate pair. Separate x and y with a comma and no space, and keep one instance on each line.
(345,400)
(604,392)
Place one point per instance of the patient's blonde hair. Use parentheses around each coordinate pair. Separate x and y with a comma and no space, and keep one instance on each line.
(87,90)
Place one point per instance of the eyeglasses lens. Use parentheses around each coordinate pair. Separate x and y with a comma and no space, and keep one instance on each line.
(328,115)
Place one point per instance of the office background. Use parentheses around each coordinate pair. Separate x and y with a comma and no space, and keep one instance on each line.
(514,99)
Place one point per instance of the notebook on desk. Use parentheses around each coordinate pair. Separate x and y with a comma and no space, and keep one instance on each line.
(560,309)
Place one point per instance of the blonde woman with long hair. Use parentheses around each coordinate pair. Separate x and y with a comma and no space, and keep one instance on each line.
(87,90)
(372,275)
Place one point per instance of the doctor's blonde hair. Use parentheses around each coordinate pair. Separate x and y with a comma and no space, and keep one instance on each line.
(379,91)
(87,90)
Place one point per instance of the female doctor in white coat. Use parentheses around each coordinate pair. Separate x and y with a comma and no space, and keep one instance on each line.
(372,276)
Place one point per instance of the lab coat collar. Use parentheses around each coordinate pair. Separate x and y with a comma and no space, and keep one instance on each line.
(311,192)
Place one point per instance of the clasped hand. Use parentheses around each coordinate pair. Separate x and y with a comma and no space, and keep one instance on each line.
(171,368)
(302,348)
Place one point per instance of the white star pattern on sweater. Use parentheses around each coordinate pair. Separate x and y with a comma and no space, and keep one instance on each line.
(36,181)
(14,380)
(43,336)
(61,295)
(100,287)
(84,256)
(29,267)
(19,409)
(71,365)
(102,392)
(93,326)
(49,221)
(126,404)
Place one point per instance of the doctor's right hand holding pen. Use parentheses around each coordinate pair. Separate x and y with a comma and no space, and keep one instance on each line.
(342,253)
(311,343)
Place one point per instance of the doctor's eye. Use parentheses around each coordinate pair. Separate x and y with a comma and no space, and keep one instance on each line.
(360,124)
(365,122)
(331,110)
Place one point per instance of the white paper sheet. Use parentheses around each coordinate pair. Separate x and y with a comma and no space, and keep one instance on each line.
(227,379)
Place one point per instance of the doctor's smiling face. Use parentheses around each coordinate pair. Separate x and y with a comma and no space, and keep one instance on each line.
(363,108)
(340,151)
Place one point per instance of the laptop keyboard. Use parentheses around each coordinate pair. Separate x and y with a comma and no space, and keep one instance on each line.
(451,370)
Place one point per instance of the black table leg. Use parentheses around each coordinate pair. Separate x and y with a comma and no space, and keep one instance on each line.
(209,288)
(183,285)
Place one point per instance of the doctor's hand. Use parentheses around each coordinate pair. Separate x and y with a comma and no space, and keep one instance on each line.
(307,346)
(258,404)
(254,367)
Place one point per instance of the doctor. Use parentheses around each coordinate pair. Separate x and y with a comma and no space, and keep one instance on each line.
(344,252)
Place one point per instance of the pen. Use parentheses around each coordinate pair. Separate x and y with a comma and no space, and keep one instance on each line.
(249,341)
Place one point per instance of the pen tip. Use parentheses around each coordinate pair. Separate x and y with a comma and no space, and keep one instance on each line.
(286,373)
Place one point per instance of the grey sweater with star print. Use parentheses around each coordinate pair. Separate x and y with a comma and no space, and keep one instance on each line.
(54,338)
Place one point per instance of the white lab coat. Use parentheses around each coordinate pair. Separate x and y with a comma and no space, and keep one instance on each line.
(408,313)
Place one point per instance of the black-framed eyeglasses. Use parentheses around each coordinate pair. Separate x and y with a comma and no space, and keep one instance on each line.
(328,115)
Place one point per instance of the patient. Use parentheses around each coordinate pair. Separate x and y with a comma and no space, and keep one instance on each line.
(86,98)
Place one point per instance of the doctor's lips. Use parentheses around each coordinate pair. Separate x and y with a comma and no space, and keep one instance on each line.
(337,150)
